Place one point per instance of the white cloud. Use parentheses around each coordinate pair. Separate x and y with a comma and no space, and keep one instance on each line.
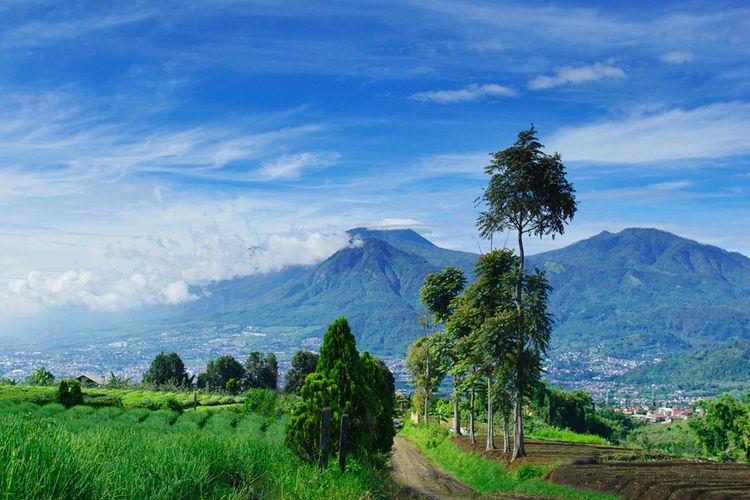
(291,166)
(470,93)
(393,223)
(712,131)
(677,57)
(577,75)
(161,271)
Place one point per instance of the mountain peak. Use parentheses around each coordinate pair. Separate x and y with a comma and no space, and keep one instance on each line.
(405,235)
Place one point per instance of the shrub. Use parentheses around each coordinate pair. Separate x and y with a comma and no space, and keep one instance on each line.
(41,376)
(69,393)
(173,404)
(526,472)
(261,401)
(232,387)
(303,432)
(147,404)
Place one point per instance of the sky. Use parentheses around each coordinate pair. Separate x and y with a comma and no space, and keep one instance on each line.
(146,147)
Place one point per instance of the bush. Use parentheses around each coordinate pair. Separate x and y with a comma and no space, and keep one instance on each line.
(232,387)
(69,393)
(148,404)
(261,401)
(526,472)
(173,404)
(434,435)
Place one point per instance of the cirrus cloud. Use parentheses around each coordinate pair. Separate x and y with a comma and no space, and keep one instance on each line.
(576,75)
(711,131)
(470,93)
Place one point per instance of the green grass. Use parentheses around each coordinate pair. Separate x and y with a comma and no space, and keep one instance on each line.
(673,439)
(129,398)
(555,434)
(485,475)
(47,451)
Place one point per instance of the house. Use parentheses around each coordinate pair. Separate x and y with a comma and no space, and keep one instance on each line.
(90,380)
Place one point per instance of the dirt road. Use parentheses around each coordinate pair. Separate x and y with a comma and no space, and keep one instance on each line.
(420,477)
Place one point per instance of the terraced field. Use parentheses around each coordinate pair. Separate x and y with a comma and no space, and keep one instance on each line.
(544,452)
(632,474)
(666,479)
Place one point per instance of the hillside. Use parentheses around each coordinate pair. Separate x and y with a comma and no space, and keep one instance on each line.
(645,291)
(633,293)
(374,282)
(715,370)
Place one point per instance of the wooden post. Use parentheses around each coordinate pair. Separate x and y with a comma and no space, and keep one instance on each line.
(325,438)
(195,400)
(342,441)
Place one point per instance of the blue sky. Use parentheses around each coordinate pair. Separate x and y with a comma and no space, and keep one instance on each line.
(144,147)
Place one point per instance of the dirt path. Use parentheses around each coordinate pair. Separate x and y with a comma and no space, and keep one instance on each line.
(420,477)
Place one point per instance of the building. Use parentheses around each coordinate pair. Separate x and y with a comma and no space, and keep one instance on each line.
(90,380)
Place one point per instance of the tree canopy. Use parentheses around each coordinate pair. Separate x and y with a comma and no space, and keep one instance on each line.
(261,371)
(303,364)
(167,369)
(219,372)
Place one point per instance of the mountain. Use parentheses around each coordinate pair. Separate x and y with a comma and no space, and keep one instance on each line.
(374,282)
(636,293)
(714,370)
(646,292)
(410,241)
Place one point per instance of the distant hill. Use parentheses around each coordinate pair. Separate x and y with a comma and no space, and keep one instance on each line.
(714,370)
(633,293)
(374,282)
(645,291)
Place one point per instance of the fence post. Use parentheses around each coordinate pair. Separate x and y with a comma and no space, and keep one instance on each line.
(343,437)
(195,400)
(325,438)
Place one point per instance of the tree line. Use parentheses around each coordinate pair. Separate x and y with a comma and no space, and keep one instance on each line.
(496,330)
(225,373)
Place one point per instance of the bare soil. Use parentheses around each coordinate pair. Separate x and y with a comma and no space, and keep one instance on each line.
(628,473)
(669,479)
(420,477)
(543,452)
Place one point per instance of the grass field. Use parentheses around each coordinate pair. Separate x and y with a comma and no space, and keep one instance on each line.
(47,451)
(129,398)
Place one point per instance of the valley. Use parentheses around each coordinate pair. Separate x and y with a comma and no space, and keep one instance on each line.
(610,326)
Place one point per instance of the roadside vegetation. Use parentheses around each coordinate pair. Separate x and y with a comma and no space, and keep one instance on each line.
(486,475)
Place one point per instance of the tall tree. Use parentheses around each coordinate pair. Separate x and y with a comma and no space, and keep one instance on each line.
(438,294)
(487,308)
(423,365)
(261,371)
(303,364)
(220,371)
(339,362)
(167,369)
(529,193)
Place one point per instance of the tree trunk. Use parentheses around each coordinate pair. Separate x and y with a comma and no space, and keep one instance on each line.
(506,431)
(490,417)
(518,444)
(456,412)
(471,416)
(427,389)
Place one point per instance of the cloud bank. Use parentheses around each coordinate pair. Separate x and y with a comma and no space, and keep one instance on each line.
(160,271)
